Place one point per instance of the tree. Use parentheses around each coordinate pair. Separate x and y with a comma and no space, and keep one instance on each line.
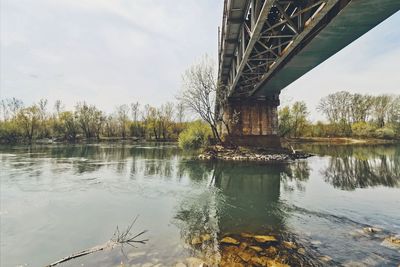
(10,107)
(29,120)
(381,107)
(299,117)
(180,112)
(69,124)
(135,111)
(90,119)
(360,107)
(199,92)
(58,107)
(166,114)
(150,121)
(336,107)
(123,118)
(284,121)
(293,121)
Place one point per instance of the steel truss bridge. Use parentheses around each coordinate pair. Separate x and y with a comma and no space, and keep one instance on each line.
(267,44)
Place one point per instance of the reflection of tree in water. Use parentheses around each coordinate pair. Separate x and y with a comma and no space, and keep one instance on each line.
(359,166)
(295,174)
(349,173)
(89,158)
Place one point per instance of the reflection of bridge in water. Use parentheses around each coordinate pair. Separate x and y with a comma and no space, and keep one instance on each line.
(267,44)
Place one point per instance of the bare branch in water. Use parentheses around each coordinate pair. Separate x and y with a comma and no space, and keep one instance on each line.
(118,239)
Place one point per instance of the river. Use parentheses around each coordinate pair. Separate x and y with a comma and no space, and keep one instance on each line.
(59,199)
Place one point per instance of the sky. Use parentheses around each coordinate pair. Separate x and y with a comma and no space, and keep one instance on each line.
(113,52)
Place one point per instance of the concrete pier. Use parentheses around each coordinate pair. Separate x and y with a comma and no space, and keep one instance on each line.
(252,122)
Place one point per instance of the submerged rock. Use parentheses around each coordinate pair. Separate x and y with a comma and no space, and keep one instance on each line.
(325,258)
(256,248)
(371,230)
(289,245)
(229,240)
(271,251)
(245,256)
(391,242)
(265,238)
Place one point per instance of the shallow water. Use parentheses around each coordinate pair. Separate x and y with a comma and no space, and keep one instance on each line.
(56,200)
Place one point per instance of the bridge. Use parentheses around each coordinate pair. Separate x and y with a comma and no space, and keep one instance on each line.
(265,45)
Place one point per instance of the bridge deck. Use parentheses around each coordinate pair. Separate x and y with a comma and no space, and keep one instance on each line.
(257,59)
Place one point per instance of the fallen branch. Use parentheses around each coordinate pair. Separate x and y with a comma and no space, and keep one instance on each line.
(119,239)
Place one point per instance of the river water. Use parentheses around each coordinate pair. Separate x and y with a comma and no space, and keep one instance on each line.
(58,199)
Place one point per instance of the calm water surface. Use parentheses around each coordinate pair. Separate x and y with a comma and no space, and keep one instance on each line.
(56,200)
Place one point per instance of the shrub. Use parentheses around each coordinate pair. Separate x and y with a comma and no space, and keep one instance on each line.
(9,132)
(363,129)
(195,136)
(385,132)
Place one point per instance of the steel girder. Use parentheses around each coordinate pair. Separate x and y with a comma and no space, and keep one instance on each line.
(254,45)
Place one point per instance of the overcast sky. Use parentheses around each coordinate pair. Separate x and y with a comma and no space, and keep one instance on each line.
(111,52)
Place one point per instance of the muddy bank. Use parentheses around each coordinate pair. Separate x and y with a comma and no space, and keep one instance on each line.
(250,154)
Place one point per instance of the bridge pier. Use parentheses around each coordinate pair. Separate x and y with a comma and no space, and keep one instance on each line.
(252,121)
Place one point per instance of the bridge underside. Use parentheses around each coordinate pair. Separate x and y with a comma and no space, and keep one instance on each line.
(266,45)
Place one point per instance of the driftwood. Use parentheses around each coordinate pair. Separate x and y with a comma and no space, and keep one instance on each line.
(119,239)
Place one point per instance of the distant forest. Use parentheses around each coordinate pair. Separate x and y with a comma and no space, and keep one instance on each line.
(347,115)
(39,121)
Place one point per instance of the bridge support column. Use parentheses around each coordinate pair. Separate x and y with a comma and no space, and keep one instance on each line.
(252,122)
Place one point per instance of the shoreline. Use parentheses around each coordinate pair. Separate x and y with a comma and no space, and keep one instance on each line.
(339,140)
(298,140)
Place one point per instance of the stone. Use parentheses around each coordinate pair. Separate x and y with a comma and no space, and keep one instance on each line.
(316,242)
(180,264)
(371,230)
(265,238)
(325,258)
(245,256)
(259,261)
(243,245)
(391,242)
(301,251)
(289,245)
(271,251)
(229,240)
(256,248)
(274,263)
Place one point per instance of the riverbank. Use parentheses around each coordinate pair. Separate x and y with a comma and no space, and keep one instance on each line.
(339,140)
(218,152)
(86,141)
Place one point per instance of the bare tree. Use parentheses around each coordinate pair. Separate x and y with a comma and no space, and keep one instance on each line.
(199,92)
(165,113)
(180,112)
(123,118)
(58,107)
(135,111)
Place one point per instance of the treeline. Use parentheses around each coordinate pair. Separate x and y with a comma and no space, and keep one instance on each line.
(347,115)
(20,123)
